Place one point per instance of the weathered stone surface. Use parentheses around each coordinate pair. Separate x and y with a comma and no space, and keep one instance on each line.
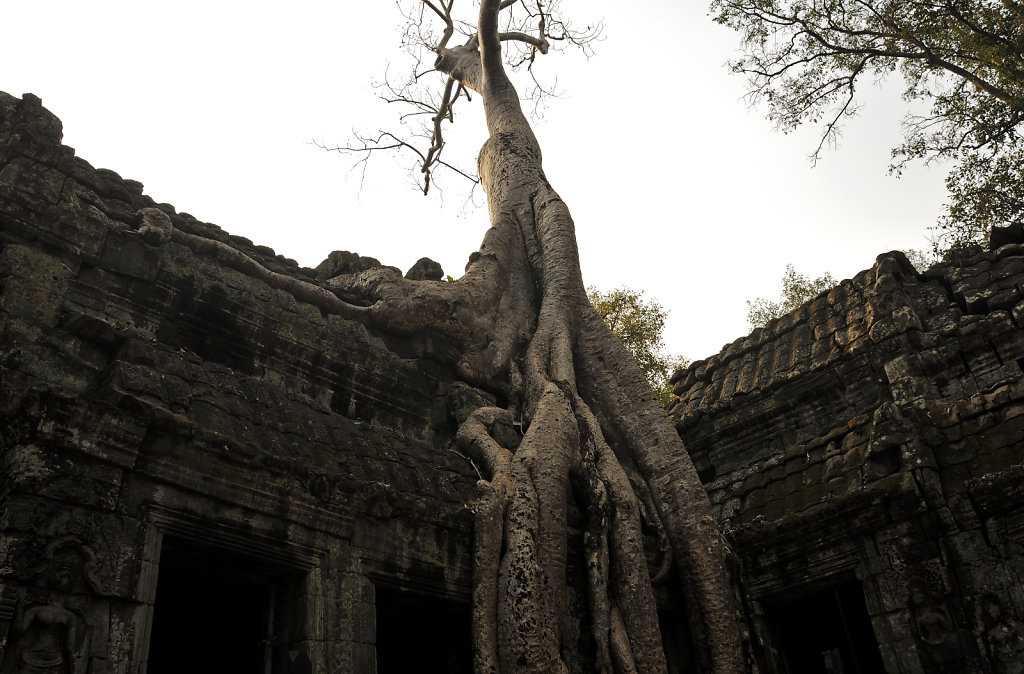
(425,269)
(870,435)
(152,396)
(164,418)
(341,262)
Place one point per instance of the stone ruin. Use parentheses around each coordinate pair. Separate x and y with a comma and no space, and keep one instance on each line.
(200,473)
(864,454)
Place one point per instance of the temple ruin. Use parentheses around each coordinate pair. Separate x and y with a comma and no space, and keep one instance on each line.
(199,472)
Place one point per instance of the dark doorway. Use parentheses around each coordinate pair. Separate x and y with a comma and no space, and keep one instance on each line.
(421,633)
(212,612)
(825,632)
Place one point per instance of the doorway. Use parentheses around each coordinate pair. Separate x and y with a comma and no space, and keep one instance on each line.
(422,633)
(827,631)
(213,613)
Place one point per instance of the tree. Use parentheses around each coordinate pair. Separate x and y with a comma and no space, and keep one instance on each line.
(520,326)
(964,58)
(430,93)
(639,325)
(525,330)
(921,260)
(796,289)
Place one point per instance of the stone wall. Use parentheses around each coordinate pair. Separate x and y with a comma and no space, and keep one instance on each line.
(872,439)
(163,411)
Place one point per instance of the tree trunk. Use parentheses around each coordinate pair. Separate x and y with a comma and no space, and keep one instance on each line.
(592,420)
(525,329)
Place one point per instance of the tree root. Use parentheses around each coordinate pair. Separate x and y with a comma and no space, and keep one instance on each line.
(522,326)
(519,548)
(523,505)
(156,228)
(642,436)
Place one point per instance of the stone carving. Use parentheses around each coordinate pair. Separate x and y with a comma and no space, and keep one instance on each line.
(936,630)
(49,641)
(68,567)
(1003,636)
(50,634)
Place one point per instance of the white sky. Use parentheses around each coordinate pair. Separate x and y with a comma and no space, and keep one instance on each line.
(676,187)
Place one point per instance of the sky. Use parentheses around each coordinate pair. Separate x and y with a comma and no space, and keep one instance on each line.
(677,187)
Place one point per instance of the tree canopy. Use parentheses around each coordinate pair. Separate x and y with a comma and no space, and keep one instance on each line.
(962,59)
(796,289)
(640,324)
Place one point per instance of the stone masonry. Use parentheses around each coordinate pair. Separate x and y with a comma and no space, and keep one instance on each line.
(199,472)
(158,405)
(873,439)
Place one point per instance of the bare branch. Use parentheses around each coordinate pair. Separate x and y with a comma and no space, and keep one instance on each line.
(539,42)
(434,86)
(446,16)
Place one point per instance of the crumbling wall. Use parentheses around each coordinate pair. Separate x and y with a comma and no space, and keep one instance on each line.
(874,436)
(158,404)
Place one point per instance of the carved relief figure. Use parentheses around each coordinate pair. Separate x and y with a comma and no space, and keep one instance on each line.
(50,634)
(68,567)
(937,631)
(49,639)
